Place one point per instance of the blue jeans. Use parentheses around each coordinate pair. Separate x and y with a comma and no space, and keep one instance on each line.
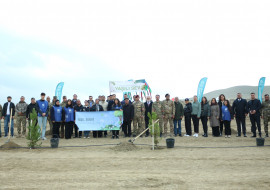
(42,122)
(177,131)
(6,122)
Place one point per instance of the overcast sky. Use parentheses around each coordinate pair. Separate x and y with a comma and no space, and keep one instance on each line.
(171,44)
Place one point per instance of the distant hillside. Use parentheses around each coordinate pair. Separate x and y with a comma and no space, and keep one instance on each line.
(230,93)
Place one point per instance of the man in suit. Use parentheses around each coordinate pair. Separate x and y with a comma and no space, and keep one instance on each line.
(148,109)
(97,107)
(253,107)
(239,109)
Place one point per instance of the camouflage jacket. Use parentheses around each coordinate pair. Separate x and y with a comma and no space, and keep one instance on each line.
(21,107)
(157,107)
(266,108)
(63,104)
(138,109)
(168,107)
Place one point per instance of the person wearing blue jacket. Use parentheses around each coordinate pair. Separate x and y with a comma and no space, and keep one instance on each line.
(227,116)
(56,118)
(68,118)
(43,110)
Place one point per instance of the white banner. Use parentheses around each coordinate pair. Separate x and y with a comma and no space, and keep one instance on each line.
(126,86)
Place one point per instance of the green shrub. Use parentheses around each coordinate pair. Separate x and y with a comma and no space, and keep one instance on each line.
(33,131)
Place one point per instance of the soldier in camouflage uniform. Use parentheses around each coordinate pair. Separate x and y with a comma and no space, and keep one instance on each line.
(138,116)
(0,119)
(266,113)
(20,109)
(168,109)
(63,104)
(157,107)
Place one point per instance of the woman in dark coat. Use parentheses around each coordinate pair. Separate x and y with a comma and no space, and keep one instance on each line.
(214,118)
(205,115)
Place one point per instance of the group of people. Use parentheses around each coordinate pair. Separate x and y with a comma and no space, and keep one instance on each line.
(61,116)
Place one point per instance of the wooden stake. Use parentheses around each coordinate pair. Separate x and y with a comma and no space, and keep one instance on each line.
(153,140)
(9,126)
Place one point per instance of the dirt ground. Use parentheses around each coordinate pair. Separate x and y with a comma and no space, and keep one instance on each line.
(194,163)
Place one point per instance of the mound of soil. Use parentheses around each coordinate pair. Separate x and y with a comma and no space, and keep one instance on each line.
(125,147)
(10,145)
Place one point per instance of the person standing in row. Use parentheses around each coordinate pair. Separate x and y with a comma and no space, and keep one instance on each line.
(21,109)
(97,107)
(62,127)
(1,109)
(195,115)
(104,105)
(179,112)
(187,114)
(86,108)
(214,119)
(56,118)
(205,115)
(168,114)
(266,113)
(116,106)
(253,107)
(128,114)
(30,107)
(157,108)
(48,98)
(43,110)
(227,116)
(138,116)
(77,108)
(68,118)
(239,110)
(74,100)
(221,101)
(91,101)
(110,103)
(148,109)
(6,114)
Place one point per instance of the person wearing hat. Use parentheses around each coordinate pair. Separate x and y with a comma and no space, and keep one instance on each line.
(157,108)
(138,116)
(168,109)
(21,109)
(6,114)
(187,114)
(43,110)
(56,118)
(266,113)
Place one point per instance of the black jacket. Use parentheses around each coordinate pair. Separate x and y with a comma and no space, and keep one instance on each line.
(128,112)
(254,105)
(148,109)
(239,108)
(110,103)
(86,109)
(4,111)
(30,108)
(94,108)
(188,109)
